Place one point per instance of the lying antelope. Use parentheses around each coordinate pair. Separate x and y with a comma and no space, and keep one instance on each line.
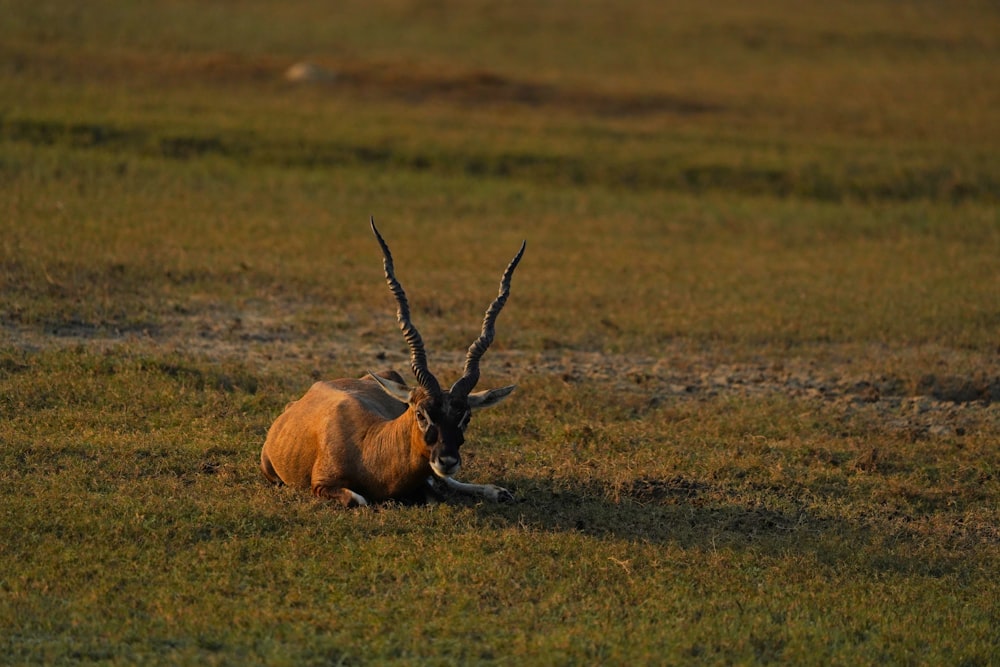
(375,438)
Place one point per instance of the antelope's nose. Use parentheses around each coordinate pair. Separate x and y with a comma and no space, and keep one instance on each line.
(449,465)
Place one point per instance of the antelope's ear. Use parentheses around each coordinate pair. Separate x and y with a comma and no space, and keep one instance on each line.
(397,390)
(487,399)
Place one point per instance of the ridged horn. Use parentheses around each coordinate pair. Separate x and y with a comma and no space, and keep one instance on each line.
(470,377)
(418,357)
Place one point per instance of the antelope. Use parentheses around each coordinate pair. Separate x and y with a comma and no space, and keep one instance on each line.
(356,441)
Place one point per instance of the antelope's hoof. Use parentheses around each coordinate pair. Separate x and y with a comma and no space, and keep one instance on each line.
(501,495)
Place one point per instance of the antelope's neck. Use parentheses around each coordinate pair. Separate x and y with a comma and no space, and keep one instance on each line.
(399,440)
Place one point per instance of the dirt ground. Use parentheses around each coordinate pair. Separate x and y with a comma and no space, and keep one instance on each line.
(920,391)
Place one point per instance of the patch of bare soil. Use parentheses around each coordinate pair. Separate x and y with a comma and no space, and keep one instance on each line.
(415,83)
(890,386)
(921,391)
(408,81)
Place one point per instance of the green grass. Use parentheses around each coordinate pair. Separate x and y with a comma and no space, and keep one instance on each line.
(754,333)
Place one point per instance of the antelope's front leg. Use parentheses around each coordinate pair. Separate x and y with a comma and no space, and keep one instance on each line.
(344,496)
(489,491)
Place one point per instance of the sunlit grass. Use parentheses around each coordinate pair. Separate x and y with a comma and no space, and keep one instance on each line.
(754,333)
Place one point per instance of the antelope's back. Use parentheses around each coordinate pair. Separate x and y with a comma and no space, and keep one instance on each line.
(326,426)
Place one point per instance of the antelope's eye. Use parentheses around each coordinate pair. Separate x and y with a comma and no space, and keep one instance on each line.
(422,418)
(464,423)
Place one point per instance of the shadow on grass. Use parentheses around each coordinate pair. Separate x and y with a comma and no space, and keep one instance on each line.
(696,515)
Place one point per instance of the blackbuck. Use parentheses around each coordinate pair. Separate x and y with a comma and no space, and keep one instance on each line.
(365,440)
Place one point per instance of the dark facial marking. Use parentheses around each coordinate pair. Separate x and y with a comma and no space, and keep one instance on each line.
(443,423)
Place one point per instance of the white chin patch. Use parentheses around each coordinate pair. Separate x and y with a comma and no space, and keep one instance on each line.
(439,471)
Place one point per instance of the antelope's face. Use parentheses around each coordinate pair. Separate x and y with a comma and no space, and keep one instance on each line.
(442,425)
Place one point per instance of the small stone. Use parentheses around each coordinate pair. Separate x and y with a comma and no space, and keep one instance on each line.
(306,72)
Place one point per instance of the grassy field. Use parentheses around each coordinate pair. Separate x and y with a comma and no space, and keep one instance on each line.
(756,332)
